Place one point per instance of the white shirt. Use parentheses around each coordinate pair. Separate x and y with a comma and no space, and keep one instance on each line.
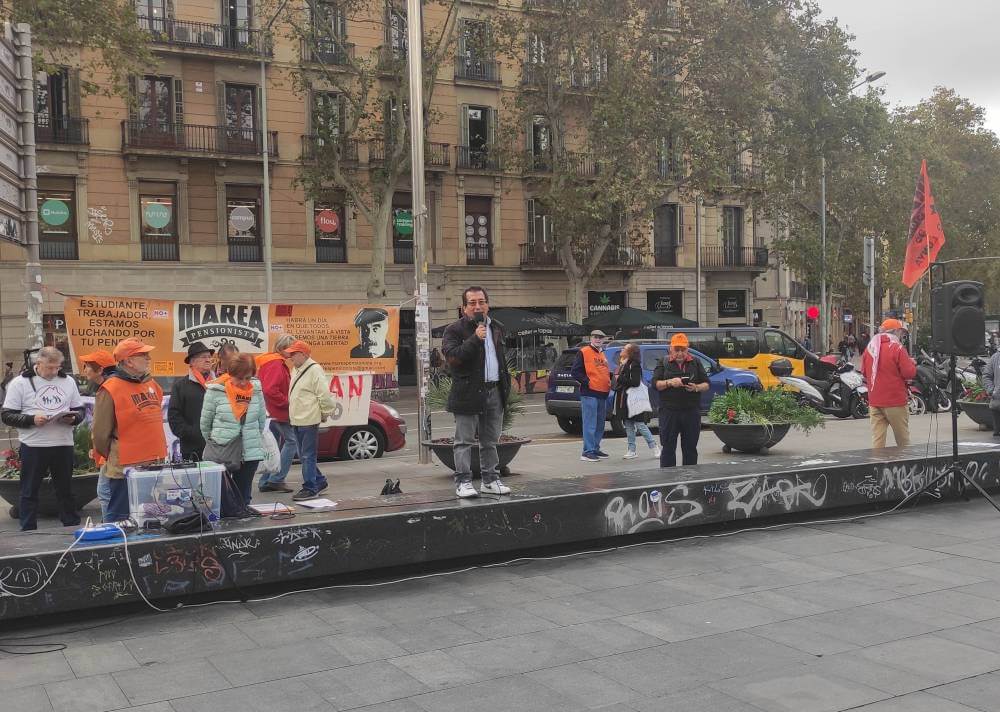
(47,397)
(492,373)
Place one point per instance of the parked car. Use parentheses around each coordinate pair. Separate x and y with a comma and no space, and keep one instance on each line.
(562,399)
(385,432)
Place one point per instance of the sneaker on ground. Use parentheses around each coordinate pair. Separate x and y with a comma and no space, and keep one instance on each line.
(276,487)
(589,458)
(466,490)
(303,494)
(495,487)
(602,455)
(630,455)
(322,486)
(657,451)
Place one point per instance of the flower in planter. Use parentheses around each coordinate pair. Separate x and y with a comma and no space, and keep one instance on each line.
(10,468)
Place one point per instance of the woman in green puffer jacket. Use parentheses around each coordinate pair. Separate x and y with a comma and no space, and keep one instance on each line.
(233,407)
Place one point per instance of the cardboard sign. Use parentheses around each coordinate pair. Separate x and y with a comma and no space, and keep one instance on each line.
(344,337)
(352,394)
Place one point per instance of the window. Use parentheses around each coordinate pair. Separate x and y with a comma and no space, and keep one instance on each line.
(402,242)
(57,107)
(541,143)
(330,28)
(52,95)
(536,49)
(152,15)
(780,345)
(396,32)
(539,224)
(706,342)
(331,228)
(667,233)
(741,344)
(650,357)
(155,102)
(478,231)
(478,126)
(475,60)
(243,223)
(669,158)
(57,234)
(158,221)
(732,235)
(240,114)
(588,68)
(327,115)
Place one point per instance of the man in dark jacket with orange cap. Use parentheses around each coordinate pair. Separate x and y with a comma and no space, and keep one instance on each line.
(681,379)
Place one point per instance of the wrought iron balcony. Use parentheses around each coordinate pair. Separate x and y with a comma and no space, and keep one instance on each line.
(62,129)
(402,252)
(616,256)
(159,248)
(206,36)
(333,251)
(57,247)
(480,254)
(743,173)
(328,50)
(477,159)
(195,140)
(477,69)
(722,258)
(313,145)
(437,155)
(665,255)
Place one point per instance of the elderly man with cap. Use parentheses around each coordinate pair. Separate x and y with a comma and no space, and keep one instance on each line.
(591,370)
(186,399)
(97,366)
(373,333)
(887,367)
(309,402)
(128,421)
(681,379)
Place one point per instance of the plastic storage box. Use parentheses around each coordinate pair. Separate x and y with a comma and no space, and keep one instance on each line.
(166,490)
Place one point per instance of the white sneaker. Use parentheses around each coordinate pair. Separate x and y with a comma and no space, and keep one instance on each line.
(495,487)
(630,455)
(656,451)
(466,490)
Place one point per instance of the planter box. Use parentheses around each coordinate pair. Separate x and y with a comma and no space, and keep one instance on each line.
(84,492)
(979,411)
(443,448)
(749,438)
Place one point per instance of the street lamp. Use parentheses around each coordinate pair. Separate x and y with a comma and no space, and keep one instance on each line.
(824,335)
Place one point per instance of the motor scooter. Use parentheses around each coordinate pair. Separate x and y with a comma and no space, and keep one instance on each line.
(844,394)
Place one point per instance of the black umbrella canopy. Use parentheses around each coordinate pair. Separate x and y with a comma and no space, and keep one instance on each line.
(520,322)
(629,318)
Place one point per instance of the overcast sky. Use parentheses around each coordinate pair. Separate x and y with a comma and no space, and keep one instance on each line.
(924,43)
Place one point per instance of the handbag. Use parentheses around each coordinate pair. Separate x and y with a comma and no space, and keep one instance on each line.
(231,454)
(637,401)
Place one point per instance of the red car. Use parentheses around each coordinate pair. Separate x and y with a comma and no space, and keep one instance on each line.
(385,432)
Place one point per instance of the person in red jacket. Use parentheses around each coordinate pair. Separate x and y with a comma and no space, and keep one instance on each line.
(274,377)
(887,367)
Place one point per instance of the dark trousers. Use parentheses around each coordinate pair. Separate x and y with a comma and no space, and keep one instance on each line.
(37,463)
(242,481)
(686,424)
(118,506)
(996,422)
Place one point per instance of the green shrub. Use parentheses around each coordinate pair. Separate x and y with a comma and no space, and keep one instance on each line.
(770,406)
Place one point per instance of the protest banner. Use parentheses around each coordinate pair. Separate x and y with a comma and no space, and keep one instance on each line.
(344,337)
(352,394)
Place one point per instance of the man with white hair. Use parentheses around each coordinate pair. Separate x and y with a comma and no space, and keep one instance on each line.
(44,404)
(887,367)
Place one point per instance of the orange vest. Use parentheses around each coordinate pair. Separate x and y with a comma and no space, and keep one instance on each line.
(138,420)
(596,365)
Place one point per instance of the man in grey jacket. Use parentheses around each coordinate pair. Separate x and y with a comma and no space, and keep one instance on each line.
(991,382)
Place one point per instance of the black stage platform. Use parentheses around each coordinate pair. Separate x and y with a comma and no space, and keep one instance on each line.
(380,532)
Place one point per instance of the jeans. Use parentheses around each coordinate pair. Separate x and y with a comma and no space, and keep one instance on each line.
(103,491)
(284,433)
(488,425)
(683,423)
(306,437)
(593,409)
(631,426)
(118,509)
(37,463)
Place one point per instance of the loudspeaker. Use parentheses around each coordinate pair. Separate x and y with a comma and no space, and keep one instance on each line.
(958,318)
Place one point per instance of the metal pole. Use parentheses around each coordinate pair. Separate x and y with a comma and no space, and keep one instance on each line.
(824,311)
(266,217)
(697,258)
(32,267)
(871,290)
(414,26)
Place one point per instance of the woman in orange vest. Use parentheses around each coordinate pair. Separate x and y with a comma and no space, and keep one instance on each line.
(128,421)
(97,366)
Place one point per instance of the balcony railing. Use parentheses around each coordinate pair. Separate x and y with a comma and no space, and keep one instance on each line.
(192,138)
(580,164)
(245,249)
(57,247)
(545,255)
(665,256)
(479,254)
(402,252)
(203,35)
(334,251)
(744,173)
(62,129)
(477,70)
(477,159)
(723,257)
(312,145)
(622,256)
(798,290)
(328,50)
(159,249)
(437,155)
(669,169)
(391,59)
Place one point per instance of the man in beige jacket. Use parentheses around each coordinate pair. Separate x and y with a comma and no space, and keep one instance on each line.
(309,402)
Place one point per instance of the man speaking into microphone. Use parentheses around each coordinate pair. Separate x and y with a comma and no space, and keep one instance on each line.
(473,348)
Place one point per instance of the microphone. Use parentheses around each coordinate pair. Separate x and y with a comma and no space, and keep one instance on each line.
(479,317)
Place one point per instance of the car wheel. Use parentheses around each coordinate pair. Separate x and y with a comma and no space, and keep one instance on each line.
(617,427)
(362,443)
(573,426)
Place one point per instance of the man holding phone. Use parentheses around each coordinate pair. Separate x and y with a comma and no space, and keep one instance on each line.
(681,379)
(44,404)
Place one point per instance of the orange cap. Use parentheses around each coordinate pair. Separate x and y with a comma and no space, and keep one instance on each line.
(130,347)
(891,324)
(299,347)
(102,358)
(679,340)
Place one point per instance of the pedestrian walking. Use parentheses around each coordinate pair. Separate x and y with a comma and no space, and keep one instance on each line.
(681,379)
(44,404)
(234,410)
(991,382)
(128,421)
(807,344)
(186,399)
(275,378)
(309,402)
(632,401)
(590,369)
(887,367)
(96,367)
(474,351)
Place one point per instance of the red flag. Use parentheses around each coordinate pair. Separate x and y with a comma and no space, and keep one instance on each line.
(926,234)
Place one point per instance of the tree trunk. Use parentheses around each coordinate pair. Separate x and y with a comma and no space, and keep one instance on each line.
(576,304)
(380,236)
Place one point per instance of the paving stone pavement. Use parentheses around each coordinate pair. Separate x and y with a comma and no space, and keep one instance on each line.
(896,613)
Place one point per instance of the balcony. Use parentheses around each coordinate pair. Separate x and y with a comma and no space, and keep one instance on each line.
(402,252)
(57,247)
(331,251)
(313,145)
(478,159)
(392,60)
(245,249)
(741,173)
(328,50)
(720,258)
(665,255)
(196,141)
(544,256)
(64,130)
(159,248)
(668,169)
(203,36)
(437,155)
(481,254)
(477,70)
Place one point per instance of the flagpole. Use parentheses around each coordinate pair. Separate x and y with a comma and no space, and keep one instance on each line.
(823,316)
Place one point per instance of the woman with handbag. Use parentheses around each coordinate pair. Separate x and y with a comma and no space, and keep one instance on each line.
(632,400)
(233,418)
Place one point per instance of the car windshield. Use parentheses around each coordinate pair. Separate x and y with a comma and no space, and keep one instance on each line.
(565,361)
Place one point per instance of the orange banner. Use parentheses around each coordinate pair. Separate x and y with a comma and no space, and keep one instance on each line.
(344,337)
(926,234)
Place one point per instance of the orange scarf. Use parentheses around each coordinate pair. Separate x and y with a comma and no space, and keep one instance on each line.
(196,374)
(223,379)
(239,398)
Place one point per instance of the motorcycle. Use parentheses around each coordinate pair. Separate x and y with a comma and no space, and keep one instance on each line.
(933,384)
(843,394)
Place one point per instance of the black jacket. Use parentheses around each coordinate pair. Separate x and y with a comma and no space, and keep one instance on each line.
(629,376)
(679,398)
(17,419)
(465,354)
(184,416)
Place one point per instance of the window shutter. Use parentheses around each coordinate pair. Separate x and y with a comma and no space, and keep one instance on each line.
(257,124)
(341,23)
(463,32)
(220,102)
(178,101)
(464,126)
(680,225)
(531,222)
(492,128)
(73,89)
(133,95)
